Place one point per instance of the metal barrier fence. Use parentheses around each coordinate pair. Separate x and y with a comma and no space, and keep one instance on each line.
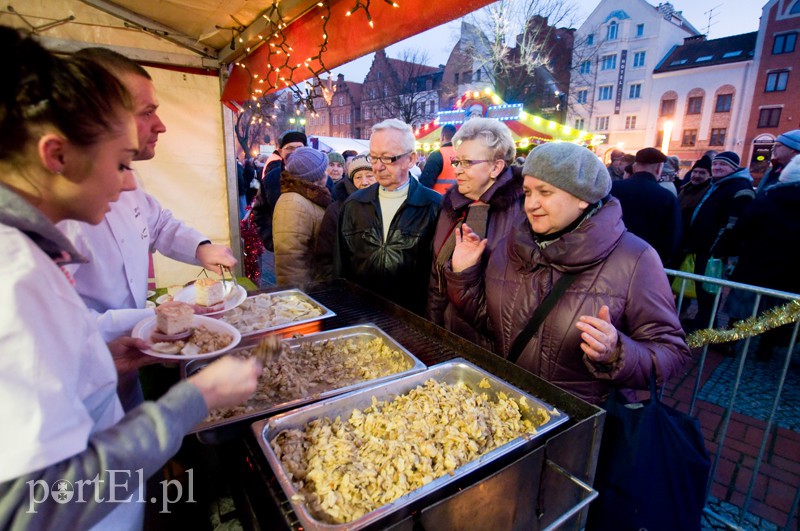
(758,295)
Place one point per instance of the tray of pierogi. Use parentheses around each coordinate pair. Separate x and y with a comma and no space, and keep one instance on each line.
(278,310)
(351,460)
(310,368)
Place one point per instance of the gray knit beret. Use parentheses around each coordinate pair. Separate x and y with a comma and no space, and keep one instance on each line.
(571,168)
(308,164)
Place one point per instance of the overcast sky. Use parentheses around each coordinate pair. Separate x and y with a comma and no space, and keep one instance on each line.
(729,17)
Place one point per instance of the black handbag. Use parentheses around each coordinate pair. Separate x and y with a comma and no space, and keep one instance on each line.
(652,470)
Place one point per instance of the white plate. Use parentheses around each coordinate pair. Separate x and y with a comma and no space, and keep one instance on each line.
(234,296)
(161,299)
(145,328)
(150,293)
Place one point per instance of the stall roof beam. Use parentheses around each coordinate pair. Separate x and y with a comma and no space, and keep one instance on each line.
(137,54)
(151,26)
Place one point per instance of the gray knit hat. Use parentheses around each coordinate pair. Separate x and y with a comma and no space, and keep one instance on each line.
(308,164)
(358,163)
(333,156)
(571,168)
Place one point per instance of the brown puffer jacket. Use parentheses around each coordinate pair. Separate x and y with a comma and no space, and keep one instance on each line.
(295,227)
(505,199)
(614,268)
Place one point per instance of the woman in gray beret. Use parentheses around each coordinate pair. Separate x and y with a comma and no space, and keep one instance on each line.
(617,318)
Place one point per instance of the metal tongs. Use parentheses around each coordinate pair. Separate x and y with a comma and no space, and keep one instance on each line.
(269,349)
(222,268)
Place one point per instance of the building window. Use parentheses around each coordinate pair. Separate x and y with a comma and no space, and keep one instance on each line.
(723,103)
(689,137)
(366,113)
(630,122)
(784,43)
(372,93)
(776,81)
(590,39)
(608,62)
(638,59)
(456,78)
(432,107)
(478,75)
(468,76)
(601,123)
(341,101)
(660,138)
(348,117)
(611,31)
(695,105)
(579,123)
(770,117)
(717,137)
(586,67)
(335,120)
(635,91)
(380,74)
(667,108)
(582,96)
(604,93)
(640,30)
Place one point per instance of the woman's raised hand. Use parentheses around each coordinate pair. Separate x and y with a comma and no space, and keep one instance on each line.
(468,250)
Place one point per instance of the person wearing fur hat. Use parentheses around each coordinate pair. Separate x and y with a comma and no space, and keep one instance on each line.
(487,196)
(617,318)
(786,147)
(359,176)
(298,216)
(729,195)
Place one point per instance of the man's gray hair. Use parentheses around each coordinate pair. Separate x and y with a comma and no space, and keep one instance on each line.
(493,133)
(408,141)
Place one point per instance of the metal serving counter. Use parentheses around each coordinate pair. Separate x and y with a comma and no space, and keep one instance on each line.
(541,487)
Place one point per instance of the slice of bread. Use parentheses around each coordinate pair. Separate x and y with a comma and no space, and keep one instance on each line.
(174,317)
(209,292)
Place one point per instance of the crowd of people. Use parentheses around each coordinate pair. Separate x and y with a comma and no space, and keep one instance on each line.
(555,261)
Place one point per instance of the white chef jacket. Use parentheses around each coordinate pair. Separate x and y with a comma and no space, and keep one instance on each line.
(114,282)
(58,384)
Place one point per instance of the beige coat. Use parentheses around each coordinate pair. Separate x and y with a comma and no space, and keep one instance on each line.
(296,221)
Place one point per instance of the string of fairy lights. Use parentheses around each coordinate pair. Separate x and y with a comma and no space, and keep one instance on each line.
(282,66)
(492,106)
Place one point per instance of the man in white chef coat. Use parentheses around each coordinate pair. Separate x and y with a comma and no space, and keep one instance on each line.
(114,281)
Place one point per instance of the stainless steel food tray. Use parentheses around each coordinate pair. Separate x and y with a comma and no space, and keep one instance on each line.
(326,313)
(211,430)
(450,372)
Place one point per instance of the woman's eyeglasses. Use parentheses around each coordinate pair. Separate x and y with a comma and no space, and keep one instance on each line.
(466,163)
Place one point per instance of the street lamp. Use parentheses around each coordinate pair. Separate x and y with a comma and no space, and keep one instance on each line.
(561,106)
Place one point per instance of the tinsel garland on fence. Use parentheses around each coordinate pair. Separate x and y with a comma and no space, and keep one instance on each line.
(252,247)
(778,316)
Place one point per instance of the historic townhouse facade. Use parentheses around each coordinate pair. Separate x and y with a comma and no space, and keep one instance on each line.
(698,96)
(616,50)
(775,93)
(337,111)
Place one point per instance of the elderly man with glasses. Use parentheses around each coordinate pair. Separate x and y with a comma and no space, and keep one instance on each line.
(386,230)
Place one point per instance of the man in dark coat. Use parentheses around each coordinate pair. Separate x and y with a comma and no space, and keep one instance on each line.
(649,210)
(270,188)
(729,195)
(386,231)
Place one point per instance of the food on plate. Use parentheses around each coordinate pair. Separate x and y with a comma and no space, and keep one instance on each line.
(344,468)
(313,368)
(201,340)
(208,292)
(173,319)
(268,311)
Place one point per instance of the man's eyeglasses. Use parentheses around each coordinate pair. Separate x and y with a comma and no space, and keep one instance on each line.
(386,160)
(466,163)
